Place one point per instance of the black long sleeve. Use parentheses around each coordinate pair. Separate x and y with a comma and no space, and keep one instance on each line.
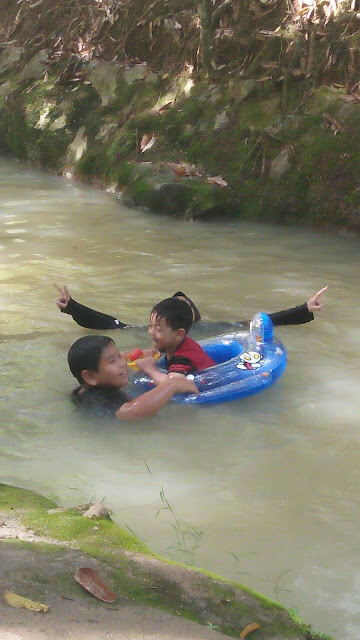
(295,315)
(91,319)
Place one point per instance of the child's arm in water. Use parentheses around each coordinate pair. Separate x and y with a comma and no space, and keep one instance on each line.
(148,404)
(147,365)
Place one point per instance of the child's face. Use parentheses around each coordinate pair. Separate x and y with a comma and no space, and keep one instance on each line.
(163,337)
(112,369)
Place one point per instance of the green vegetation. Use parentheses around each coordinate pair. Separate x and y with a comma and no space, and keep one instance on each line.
(140,575)
(270,102)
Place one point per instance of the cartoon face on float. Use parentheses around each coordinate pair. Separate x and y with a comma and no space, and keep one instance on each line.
(249,360)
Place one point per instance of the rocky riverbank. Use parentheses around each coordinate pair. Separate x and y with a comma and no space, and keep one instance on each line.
(271,134)
(42,546)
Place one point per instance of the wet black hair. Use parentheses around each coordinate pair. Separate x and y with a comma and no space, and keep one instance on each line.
(195,310)
(85,353)
(177,313)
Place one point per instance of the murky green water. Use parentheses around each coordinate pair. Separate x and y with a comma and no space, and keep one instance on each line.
(268,486)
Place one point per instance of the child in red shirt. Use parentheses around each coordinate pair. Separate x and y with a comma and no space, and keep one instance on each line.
(170,321)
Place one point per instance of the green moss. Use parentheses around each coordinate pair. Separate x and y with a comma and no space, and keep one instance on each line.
(93,164)
(121,173)
(13,498)
(85,103)
(146,122)
(173,125)
(124,93)
(259,114)
(210,598)
(52,147)
(124,143)
(194,110)
(319,188)
(14,129)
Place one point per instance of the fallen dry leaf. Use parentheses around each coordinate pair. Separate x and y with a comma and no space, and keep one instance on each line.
(91,581)
(218,180)
(248,629)
(180,169)
(147,141)
(270,66)
(164,108)
(334,124)
(18,601)
(183,169)
(345,97)
(216,66)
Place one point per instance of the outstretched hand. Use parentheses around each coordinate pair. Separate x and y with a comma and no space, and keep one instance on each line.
(314,304)
(64,298)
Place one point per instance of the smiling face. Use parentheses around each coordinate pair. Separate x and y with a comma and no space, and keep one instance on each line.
(164,338)
(111,371)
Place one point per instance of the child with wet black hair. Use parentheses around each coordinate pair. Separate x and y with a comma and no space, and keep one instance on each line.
(170,321)
(101,370)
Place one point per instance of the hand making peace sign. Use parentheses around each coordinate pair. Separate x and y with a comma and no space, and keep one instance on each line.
(64,298)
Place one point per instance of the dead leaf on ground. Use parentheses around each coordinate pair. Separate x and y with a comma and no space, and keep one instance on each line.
(147,141)
(91,581)
(18,601)
(248,629)
(334,124)
(349,98)
(164,108)
(270,66)
(218,180)
(183,169)
(216,66)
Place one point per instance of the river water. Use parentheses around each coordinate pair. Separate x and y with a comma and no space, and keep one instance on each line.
(265,490)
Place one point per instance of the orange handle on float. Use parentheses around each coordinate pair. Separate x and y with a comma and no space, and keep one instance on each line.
(136,355)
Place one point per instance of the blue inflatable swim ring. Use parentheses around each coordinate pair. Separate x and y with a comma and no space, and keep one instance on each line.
(246,363)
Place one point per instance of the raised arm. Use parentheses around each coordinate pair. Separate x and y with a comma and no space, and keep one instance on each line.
(315,303)
(301,314)
(148,404)
(84,316)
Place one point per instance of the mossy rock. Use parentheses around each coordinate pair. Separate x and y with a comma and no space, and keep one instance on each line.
(160,190)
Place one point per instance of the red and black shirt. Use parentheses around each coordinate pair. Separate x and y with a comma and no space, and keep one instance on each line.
(189,358)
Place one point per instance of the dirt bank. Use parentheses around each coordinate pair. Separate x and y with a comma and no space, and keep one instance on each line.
(42,547)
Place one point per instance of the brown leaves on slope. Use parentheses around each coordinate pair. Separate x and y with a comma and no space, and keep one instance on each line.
(90,580)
